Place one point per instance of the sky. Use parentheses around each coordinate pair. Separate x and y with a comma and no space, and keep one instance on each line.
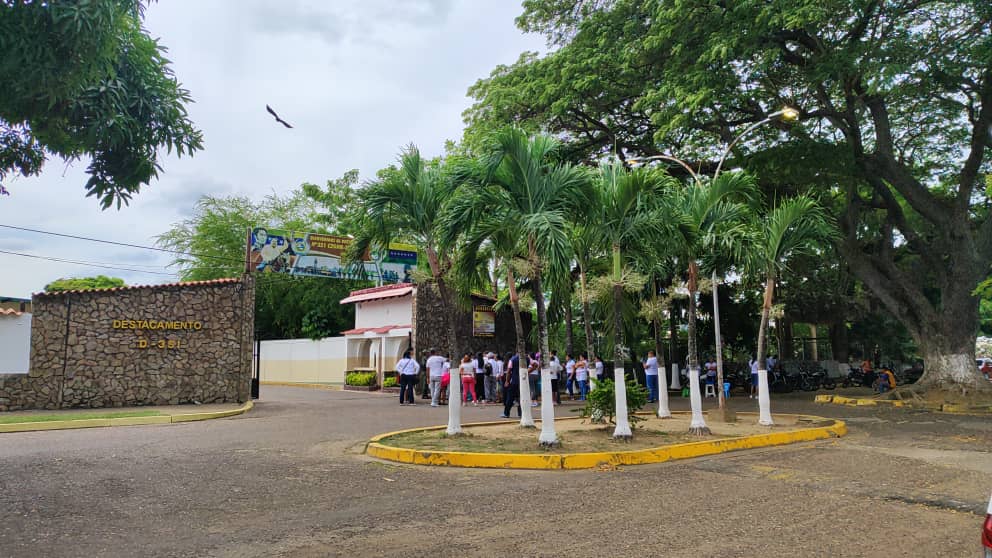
(358,80)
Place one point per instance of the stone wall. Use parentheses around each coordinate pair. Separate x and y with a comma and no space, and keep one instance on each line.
(429,326)
(151,345)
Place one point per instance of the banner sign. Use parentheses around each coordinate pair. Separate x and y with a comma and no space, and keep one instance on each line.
(483,321)
(319,255)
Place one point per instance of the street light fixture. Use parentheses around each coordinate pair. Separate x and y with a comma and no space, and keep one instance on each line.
(788,114)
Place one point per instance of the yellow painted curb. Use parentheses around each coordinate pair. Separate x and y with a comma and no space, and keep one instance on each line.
(190,417)
(823,398)
(588,460)
(138,421)
(858,401)
(123,421)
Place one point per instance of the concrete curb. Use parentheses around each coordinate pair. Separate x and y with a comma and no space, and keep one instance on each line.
(123,421)
(947,408)
(588,460)
(329,387)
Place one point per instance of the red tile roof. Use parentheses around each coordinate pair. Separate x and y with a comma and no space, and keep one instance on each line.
(9,312)
(226,281)
(381,289)
(377,293)
(379,330)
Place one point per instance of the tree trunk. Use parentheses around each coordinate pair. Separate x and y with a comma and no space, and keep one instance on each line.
(447,300)
(697,425)
(838,341)
(590,345)
(569,341)
(673,347)
(764,401)
(622,430)
(718,343)
(548,436)
(526,416)
(455,399)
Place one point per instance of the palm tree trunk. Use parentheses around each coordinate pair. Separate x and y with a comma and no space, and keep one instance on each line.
(548,437)
(455,399)
(719,343)
(569,341)
(663,409)
(697,425)
(764,401)
(622,429)
(447,301)
(590,346)
(523,393)
(674,347)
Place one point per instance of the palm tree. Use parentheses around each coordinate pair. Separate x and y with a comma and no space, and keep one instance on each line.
(539,197)
(476,217)
(710,224)
(629,218)
(584,241)
(797,227)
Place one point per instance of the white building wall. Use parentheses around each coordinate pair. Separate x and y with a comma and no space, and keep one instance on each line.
(388,311)
(15,343)
(304,361)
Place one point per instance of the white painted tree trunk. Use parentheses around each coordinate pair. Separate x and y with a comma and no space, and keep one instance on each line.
(454,404)
(676,383)
(764,401)
(663,410)
(623,423)
(548,435)
(526,414)
(698,423)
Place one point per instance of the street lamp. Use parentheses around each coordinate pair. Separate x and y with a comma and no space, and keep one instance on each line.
(788,114)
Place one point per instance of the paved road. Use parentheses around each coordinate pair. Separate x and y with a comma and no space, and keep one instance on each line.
(289,479)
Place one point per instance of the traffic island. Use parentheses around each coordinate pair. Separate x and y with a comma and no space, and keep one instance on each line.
(585,445)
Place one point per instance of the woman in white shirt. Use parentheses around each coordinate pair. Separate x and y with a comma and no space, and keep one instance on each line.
(582,376)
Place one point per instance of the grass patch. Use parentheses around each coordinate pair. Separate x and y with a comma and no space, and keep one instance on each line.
(16,419)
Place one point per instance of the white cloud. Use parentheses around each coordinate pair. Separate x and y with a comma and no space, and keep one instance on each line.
(358,79)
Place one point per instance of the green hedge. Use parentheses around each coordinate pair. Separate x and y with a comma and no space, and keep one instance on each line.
(360,378)
(390,382)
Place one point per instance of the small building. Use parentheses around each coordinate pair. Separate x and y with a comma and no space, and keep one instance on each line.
(389,320)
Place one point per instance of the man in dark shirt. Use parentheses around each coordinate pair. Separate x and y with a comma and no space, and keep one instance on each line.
(511,381)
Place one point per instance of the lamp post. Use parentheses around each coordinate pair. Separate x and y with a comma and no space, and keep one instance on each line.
(788,114)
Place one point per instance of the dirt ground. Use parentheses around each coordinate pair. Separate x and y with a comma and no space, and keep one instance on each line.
(290,479)
(581,435)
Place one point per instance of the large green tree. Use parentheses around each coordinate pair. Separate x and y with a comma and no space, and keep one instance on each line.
(896,103)
(83,79)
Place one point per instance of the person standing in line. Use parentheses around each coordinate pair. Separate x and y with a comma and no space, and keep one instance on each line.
(570,383)
(651,376)
(445,379)
(480,377)
(435,369)
(467,373)
(408,370)
(582,376)
(511,386)
(534,376)
(599,368)
(497,377)
(490,374)
(753,363)
(554,368)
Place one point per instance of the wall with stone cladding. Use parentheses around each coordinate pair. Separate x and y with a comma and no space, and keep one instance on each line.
(80,359)
(429,326)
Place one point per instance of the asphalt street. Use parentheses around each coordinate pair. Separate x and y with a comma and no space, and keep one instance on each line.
(290,479)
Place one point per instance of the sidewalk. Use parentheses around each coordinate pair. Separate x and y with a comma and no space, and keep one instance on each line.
(117,416)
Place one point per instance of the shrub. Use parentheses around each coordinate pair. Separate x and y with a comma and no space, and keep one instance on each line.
(602,402)
(390,382)
(360,379)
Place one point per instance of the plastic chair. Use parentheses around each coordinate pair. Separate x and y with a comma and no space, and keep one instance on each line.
(726,389)
(710,390)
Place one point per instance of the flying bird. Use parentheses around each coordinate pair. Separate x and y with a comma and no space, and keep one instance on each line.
(279,120)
